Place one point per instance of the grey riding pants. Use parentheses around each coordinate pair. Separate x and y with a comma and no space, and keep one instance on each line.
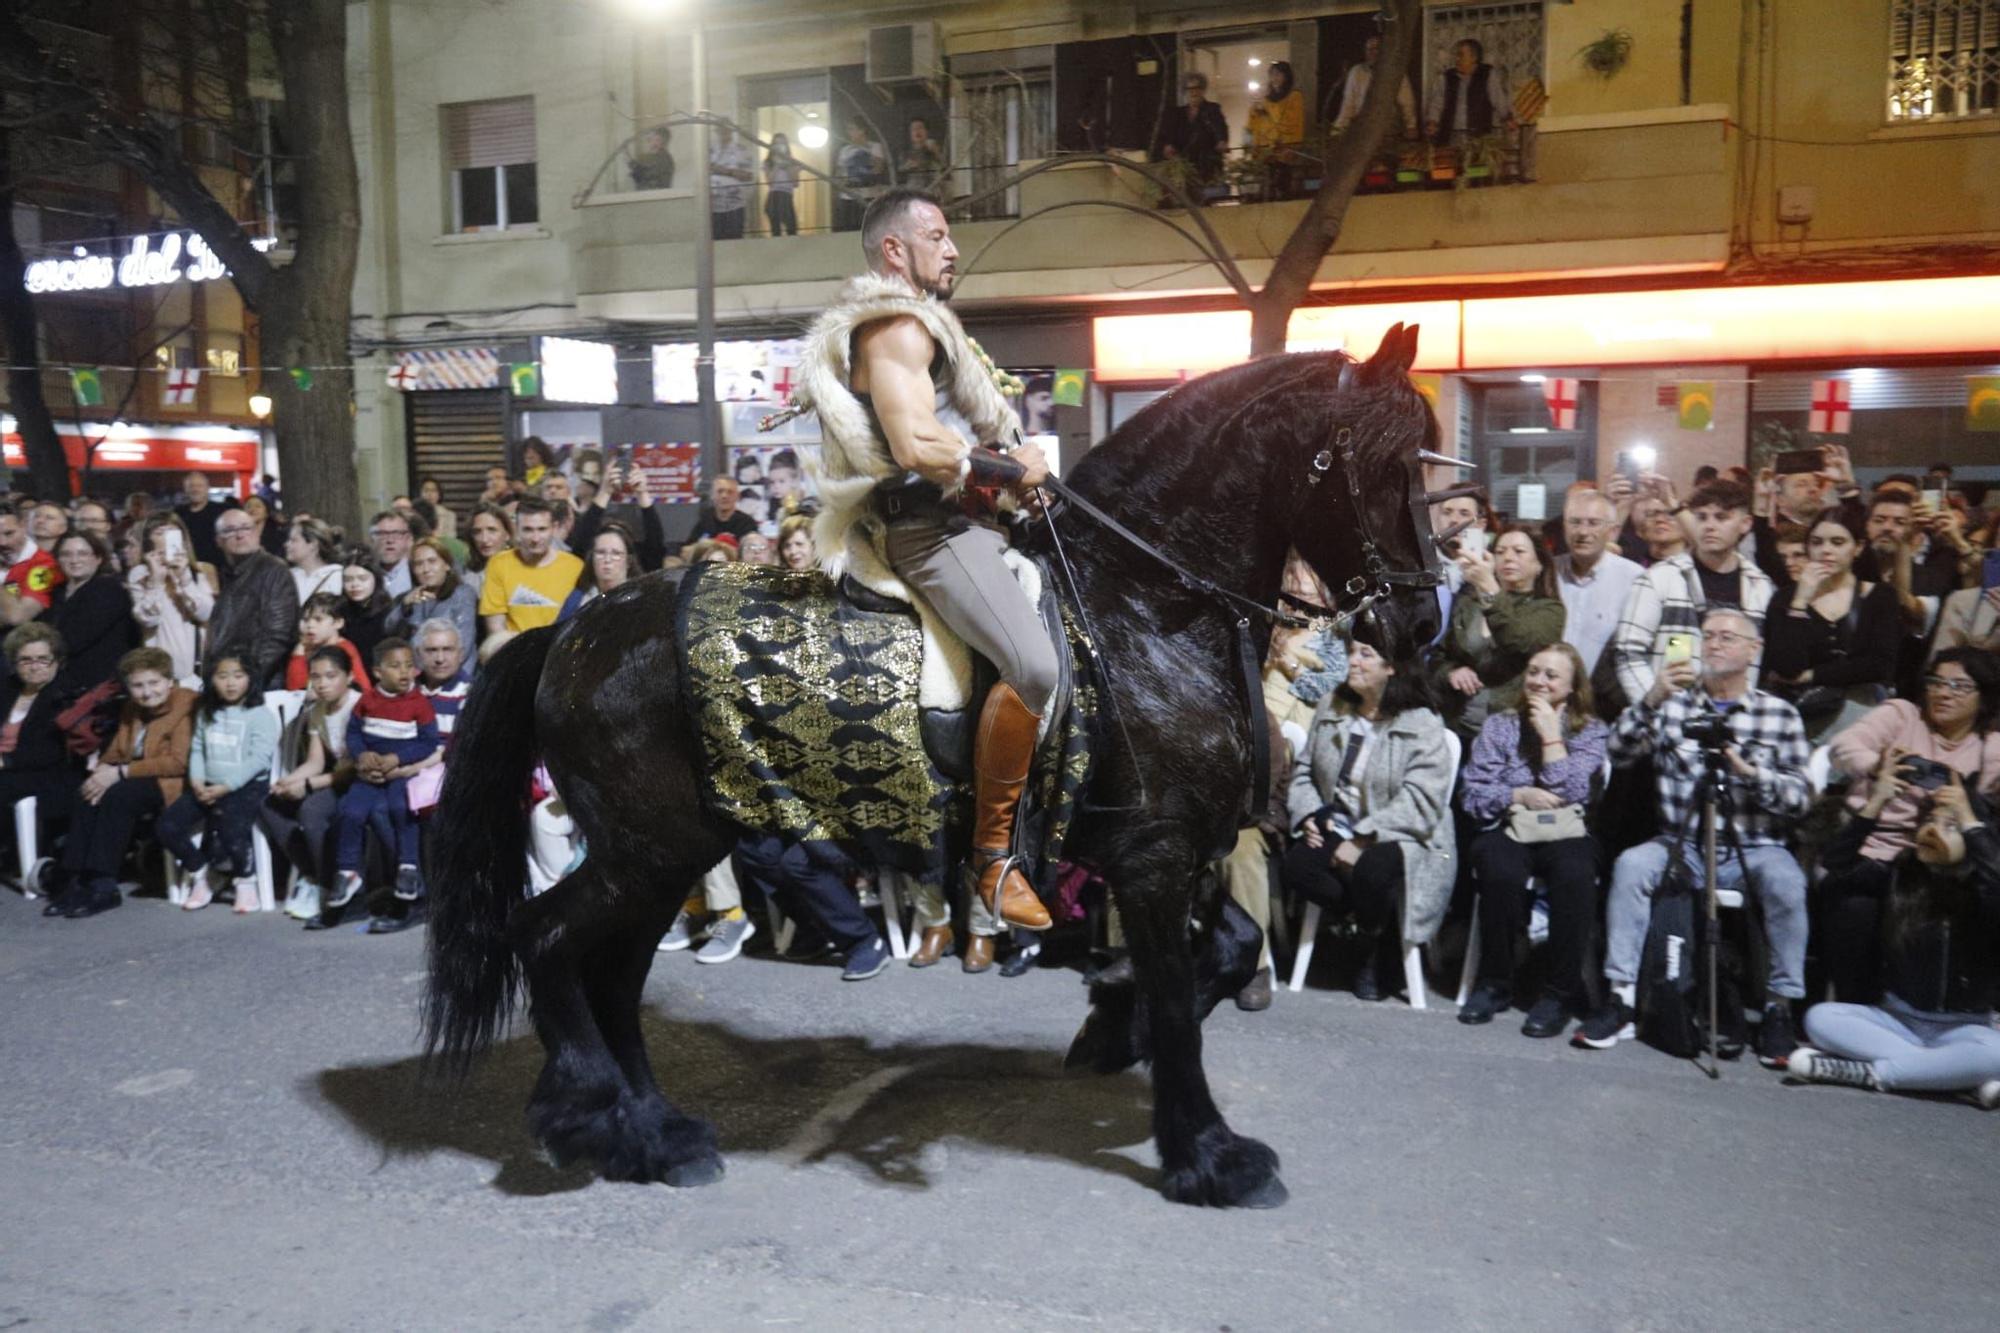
(957,567)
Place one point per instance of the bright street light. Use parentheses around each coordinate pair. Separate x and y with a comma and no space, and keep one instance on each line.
(260,404)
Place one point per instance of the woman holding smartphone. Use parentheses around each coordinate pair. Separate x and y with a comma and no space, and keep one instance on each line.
(172,595)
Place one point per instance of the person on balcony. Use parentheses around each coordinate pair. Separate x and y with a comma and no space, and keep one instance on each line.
(1278,129)
(1354,91)
(862,168)
(1469,101)
(730,170)
(652,166)
(923,165)
(1196,134)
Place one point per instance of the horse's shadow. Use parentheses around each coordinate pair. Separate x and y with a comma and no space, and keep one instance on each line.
(799,1099)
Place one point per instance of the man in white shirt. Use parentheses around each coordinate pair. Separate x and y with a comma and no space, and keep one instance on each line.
(1355,91)
(730,170)
(1592,579)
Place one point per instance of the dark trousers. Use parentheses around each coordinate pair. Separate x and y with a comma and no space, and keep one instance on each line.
(225,826)
(53,789)
(299,831)
(386,809)
(99,834)
(778,211)
(1372,890)
(1848,930)
(727,226)
(1568,871)
(805,887)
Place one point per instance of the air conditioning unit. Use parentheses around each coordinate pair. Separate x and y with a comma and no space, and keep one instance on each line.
(903,53)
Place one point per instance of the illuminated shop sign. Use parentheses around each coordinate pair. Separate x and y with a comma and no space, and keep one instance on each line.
(147,262)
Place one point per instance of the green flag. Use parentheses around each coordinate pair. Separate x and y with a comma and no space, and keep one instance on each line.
(1069,388)
(302,378)
(1982,403)
(88,386)
(1697,405)
(526,378)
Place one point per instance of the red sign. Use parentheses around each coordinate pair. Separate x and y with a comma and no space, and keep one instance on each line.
(672,471)
(124,453)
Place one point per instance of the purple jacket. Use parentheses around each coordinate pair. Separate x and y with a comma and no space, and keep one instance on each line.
(1497,768)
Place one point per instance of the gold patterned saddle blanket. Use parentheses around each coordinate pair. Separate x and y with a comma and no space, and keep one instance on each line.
(806,700)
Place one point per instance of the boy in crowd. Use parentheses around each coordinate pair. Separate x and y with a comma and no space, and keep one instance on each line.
(322,624)
(391,737)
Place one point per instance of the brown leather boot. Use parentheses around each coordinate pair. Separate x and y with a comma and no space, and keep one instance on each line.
(978,953)
(1002,750)
(937,943)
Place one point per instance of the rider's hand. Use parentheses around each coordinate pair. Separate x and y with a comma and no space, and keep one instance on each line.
(1031,457)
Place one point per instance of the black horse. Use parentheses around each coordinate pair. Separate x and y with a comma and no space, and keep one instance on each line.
(1314,452)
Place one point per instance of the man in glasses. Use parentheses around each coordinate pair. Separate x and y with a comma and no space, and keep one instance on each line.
(257,611)
(1765,758)
(1195,133)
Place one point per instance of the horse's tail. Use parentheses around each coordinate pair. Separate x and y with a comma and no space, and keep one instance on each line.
(477,857)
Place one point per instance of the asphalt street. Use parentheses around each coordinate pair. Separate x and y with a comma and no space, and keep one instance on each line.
(210,1122)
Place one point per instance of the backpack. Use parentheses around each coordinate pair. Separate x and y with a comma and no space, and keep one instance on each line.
(1672,990)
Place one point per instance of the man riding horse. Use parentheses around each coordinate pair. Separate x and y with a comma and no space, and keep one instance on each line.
(920,451)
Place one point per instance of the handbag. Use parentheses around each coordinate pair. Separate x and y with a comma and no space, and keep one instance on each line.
(424,789)
(1526,826)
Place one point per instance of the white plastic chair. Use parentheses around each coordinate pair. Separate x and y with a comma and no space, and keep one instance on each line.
(27,841)
(1413,960)
(285,704)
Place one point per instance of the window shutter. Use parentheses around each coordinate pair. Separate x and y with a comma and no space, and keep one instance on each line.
(496,133)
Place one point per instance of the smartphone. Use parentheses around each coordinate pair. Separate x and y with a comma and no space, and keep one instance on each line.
(1680,647)
(1794,461)
(1628,466)
(1935,499)
(1472,539)
(170,541)
(1925,774)
(621,469)
(1990,572)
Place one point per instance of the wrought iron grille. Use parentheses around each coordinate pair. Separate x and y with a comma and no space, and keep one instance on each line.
(1944,59)
(1512,35)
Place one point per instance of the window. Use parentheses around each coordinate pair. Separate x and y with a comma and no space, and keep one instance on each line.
(1003,113)
(490,150)
(1944,59)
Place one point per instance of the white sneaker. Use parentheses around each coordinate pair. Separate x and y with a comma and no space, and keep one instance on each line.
(726,940)
(199,894)
(1987,1094)
(1807,1065)
(303,902)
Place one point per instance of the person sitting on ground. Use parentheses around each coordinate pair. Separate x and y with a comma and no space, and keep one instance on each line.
(322,622)
(1370,801)
(35,762)
(92,611)
(1832,637)
(1765,766)
(391,737)
(1956,730)
(1542,757)
(1507,611)
(1933,1030)
(173,598)
(435,591)
(229,775)
(297,819)
(140,773)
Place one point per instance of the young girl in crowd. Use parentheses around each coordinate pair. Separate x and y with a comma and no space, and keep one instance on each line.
(298,817)
(321,624)
(366,606)
(229,773)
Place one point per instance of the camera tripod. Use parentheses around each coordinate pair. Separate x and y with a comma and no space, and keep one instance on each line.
(1716,806)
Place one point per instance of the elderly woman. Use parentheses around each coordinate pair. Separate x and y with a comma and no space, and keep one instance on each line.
(140,773)
(795,543)
(1370,800)
(1957,730)
(92,611)
(436,591)
(34,761)
(172,595)
(1506,611)
(1527,785)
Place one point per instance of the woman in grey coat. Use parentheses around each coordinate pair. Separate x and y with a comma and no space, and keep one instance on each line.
(1370,802)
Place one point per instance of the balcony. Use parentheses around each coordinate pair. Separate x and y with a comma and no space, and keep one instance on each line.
(1611,195)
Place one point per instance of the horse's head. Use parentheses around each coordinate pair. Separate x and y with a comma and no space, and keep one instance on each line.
(1364,524)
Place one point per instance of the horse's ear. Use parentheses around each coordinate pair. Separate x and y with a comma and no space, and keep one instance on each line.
(1396,355)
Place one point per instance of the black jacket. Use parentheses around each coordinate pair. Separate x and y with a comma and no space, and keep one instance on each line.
(40,747)
(1201,139)
(1940,948)
(96,624)
(257,612)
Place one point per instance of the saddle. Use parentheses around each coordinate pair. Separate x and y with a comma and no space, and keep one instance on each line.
(840,712)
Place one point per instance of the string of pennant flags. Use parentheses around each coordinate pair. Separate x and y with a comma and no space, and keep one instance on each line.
(1830,412)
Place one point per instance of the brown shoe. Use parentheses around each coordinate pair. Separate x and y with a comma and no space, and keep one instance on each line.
(937,943)
(1003,748)
(1256,997)
(978,953)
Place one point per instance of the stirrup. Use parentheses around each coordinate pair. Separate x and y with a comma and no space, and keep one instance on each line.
(984,859)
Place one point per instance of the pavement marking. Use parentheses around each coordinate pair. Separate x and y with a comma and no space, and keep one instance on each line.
(818,1133)
(145,1085)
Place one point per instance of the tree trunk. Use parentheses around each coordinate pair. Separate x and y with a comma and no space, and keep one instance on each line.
(1347,161)
(315,426)
(48,470)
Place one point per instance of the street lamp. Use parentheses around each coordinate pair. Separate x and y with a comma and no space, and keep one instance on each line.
(260,405)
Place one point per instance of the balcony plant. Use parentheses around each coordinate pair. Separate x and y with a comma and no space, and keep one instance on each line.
(1608,54)
(1444,165)
(1482,158)
(1413,159)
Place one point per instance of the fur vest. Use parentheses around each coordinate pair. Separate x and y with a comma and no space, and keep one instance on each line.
(853,457)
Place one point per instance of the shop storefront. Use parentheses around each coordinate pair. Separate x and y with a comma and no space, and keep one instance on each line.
(119,458)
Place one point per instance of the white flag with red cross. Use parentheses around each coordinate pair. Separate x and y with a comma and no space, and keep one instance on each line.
(180,388)
(403,376)
(1831,413)
(1561,398)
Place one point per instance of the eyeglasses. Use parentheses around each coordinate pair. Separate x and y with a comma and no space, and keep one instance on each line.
(37,661)
(1586,523)
(235,531)
(1954,684)
(1728,638)
(388,532)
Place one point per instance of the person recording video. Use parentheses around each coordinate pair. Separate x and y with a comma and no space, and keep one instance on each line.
(1699,712)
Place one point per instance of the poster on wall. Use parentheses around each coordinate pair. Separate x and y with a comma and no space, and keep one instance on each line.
(745,371)
(672,472)
(1036,406)
(777,480)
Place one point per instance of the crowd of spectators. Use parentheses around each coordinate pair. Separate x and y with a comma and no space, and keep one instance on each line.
(182,675)
(1831,654)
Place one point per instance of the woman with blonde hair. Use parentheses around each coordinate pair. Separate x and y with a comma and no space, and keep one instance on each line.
(173,595)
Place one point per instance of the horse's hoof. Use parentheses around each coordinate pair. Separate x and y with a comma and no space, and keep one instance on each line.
(704,1170)
(1271,1194)
(1227,1170)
